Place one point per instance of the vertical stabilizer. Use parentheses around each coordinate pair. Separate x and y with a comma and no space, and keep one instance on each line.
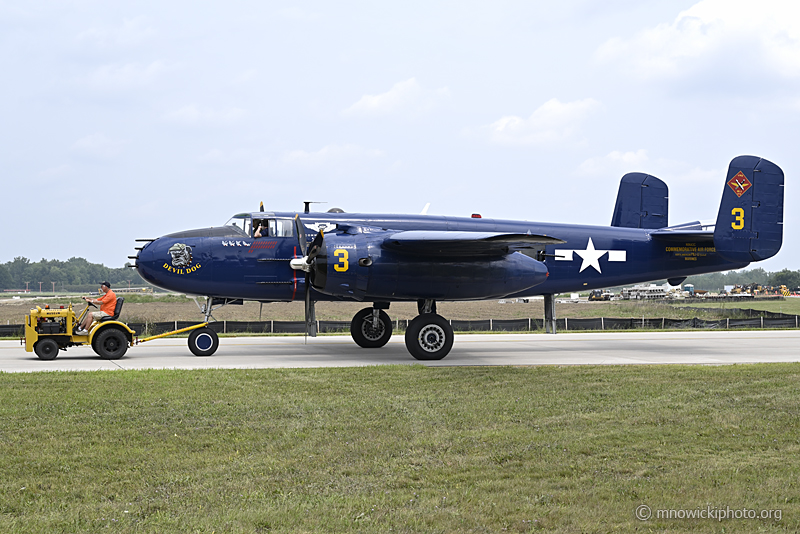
(642,202)
(750,220)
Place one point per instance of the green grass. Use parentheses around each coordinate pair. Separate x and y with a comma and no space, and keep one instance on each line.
(401,448)
(631,309)
(790,306)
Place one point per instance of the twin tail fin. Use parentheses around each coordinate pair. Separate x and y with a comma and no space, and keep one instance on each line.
(750,221)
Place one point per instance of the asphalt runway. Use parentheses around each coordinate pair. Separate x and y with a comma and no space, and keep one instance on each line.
(703,347)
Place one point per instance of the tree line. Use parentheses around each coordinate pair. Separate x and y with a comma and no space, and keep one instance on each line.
(717,281)
(73,274)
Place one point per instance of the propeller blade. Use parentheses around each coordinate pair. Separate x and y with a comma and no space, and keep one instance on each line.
(316,247)
(311,315)
(301,234)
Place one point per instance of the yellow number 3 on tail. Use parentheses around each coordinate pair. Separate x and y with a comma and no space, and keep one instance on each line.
(737,224)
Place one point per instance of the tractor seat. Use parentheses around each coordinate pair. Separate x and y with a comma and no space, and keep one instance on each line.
(117,310)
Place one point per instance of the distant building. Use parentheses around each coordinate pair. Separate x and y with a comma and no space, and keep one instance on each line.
(644,292)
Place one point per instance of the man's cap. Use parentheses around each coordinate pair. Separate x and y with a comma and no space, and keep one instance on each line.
(105,284)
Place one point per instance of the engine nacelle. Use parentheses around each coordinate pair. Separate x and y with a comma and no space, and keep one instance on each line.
(356,266)
(337,270)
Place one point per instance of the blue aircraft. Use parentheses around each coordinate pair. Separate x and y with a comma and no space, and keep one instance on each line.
(380,259)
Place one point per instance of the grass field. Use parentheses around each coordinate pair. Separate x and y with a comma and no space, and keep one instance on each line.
(790,306)
(401,449)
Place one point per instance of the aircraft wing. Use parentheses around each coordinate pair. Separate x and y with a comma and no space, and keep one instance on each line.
(450,244)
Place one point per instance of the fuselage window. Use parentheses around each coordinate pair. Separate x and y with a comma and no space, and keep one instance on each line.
(241,223)
(273,228)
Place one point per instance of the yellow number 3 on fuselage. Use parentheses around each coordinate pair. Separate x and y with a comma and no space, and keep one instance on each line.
(737,224)
(342,265)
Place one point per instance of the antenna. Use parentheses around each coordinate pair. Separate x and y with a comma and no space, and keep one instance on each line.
(307,204)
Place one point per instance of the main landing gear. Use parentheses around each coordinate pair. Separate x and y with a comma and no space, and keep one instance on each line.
(429,336)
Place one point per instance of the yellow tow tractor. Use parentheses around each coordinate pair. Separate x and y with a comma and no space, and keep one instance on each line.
(48,330)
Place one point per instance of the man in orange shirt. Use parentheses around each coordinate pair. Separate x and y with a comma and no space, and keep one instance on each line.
(107,301)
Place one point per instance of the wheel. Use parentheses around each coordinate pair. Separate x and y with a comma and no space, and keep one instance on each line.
(46,349)
(429,337)
(203,342)
(110,344)
(367,336)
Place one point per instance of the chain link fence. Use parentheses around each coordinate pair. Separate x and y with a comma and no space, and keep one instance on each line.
(756,319)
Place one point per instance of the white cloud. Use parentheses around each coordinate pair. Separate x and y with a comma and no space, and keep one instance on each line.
(59,170)
(132,32)
(127,75)
(615,162)
(332,155)
(97,145)
(214,155)
(713,32)
(552,122)
(245,77)
(222,157)
(192,114)
(298,13)
(405,96)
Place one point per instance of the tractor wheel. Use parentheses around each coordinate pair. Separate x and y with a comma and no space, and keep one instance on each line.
(46,349)
(110,344)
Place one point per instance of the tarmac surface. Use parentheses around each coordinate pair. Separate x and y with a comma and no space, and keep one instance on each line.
(609,348)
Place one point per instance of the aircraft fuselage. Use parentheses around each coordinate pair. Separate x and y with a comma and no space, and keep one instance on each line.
(227,262)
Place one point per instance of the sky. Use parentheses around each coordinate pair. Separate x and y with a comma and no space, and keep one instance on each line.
(126,120)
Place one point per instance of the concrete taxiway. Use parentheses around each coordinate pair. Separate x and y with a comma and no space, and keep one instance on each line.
(703,347)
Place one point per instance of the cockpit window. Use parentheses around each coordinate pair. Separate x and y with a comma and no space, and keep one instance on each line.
(242,223)
(274,227)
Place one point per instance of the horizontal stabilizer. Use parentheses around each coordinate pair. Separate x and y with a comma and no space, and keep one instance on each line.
(693,231)
(464,244)
(642,202)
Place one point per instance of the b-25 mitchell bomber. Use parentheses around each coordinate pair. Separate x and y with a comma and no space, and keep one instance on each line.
(380,259)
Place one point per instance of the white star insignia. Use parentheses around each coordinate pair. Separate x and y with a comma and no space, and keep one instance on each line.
(591,257)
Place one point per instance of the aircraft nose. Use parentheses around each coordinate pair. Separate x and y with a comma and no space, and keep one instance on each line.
(144,258)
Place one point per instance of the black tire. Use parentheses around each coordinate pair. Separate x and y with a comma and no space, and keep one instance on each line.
(429,337)
(365,335)
(46,349)
(203,342)
(110,344)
